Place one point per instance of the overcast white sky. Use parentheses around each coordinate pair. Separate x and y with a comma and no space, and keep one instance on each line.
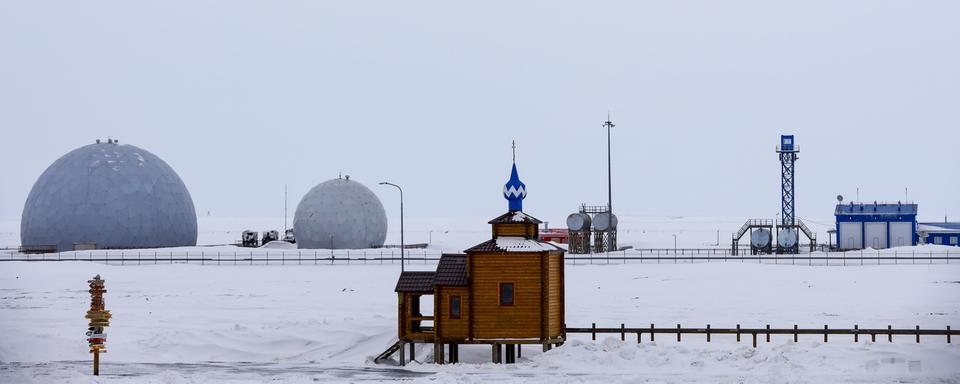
(241,97)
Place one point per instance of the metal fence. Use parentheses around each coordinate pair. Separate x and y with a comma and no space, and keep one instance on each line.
(247,256)
(235,257)
(671,256)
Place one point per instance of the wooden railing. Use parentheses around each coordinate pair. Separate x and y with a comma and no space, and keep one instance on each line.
(856,331)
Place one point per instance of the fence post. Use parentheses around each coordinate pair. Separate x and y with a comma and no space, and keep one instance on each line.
(641,333)
(738,333)
(622,335)
(768,333)
(754,339)
(708,333)
(795,333)
(825,334)
(948,334)
(651,331)
(918,334)
(593,331)
(889,333)
(678,333)
(856,333)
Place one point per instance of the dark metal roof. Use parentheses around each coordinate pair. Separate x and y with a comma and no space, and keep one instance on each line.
(876,209)
(452,270)
(516,217)
(416,282)
(486,246)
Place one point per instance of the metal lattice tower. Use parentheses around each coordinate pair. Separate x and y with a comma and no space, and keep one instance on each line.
(788,157)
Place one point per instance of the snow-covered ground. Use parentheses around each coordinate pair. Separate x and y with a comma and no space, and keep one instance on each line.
(191,324)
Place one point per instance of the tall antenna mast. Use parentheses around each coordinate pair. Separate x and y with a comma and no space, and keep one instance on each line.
(284,208)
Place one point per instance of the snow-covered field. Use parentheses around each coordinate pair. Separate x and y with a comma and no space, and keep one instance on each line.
(191,324)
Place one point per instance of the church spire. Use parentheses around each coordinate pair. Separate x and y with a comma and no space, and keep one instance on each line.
(514,191)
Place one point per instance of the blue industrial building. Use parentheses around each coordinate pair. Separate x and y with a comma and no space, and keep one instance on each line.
(866,225)
(940,233)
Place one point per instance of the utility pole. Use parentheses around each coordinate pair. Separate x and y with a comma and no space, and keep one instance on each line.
(611,232)
(402,246)
(609,124)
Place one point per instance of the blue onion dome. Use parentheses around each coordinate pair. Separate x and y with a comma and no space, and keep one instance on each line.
(515,191)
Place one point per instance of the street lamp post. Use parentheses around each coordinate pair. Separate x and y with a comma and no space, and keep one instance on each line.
(674,243)
(402,247)
(611,245)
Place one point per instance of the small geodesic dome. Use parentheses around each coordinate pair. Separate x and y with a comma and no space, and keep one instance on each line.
(340,214)
(109,195)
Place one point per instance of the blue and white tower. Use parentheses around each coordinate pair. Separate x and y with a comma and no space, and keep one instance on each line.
(515,191)
(787,234)
(788,156)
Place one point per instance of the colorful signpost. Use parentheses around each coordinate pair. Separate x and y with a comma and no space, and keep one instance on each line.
(99,319)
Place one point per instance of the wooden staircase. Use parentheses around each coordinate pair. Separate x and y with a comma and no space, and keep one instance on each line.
(389,352)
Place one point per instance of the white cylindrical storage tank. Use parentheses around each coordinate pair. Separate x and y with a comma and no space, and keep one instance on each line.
(605,221)
(787,238)
(578,222)
(760,238)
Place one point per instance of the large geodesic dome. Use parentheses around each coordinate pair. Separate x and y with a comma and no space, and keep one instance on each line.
(110,196)
(340,214)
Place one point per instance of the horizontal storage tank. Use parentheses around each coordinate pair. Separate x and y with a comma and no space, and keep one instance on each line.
(760,238)
(605,221)
(787,238)
(578,222)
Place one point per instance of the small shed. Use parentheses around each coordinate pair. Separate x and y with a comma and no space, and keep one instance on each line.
(876,225)
(945,233)
(556,235)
